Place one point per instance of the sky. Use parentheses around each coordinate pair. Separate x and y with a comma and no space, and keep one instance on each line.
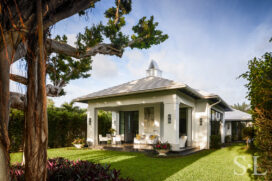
(209,45)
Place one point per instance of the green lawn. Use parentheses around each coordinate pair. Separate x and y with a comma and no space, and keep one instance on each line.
(205,165)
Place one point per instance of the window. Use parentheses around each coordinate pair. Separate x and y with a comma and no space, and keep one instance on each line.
(216,119)
(149,116)
(122,123)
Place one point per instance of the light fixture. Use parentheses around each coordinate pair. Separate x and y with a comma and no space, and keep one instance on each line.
(90,121)
(200,121)
(169,118)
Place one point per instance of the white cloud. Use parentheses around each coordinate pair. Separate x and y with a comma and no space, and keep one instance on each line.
(103,67)
(72,92)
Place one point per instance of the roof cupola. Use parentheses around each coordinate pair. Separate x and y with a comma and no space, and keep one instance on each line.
(153,70)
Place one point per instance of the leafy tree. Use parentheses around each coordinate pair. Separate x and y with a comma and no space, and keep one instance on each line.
(242,107)
(25,26)
(104,122)
(248,134)
(259,77)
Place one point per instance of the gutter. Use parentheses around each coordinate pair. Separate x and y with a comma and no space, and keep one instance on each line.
(210,106)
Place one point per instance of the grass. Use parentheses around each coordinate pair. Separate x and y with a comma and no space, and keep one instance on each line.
(205,165)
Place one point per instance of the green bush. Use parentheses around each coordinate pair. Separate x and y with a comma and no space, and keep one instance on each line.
(65,123)
(15,130)
(248,132)
(228,139)
(215,141)
(104,122)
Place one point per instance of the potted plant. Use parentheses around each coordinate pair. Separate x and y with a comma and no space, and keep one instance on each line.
(162,148)
(78,142)
(112,131)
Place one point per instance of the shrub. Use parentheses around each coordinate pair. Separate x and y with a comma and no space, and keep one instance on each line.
(15,130)
(215,141)
(60,169)
(228,139)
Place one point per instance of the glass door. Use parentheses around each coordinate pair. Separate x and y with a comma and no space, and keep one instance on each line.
(129,125)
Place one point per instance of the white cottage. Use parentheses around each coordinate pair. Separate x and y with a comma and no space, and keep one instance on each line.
(155,107)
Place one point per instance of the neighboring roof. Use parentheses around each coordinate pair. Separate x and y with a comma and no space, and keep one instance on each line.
(236,115)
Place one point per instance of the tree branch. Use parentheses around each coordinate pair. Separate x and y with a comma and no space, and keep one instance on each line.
(17,100)
(18,78)
(63,48)
(65,10)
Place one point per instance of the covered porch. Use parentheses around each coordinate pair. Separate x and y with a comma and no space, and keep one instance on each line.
(143,125)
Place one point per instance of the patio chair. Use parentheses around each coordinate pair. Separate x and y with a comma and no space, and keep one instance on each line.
(118,139)
(89,141)
(122,137)
(182,141)
(102,139)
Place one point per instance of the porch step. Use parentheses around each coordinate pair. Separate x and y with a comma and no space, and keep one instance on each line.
(186,151)
(126,148)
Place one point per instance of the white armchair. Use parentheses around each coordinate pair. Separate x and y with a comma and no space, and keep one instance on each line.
(89,141)
(102,139)
(182,141)
(117,139)
(139,139)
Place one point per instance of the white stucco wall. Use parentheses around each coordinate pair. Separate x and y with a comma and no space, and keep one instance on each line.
(200,132)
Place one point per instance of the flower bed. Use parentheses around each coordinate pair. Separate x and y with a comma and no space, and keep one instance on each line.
(61,169)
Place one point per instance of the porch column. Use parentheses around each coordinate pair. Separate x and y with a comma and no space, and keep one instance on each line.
(189,127)
(222,129)
(171,124)
(115,121)
(92,126)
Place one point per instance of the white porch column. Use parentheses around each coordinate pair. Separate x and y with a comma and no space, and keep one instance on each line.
(115,121)
(189,127)
(92,125)
(223,130)
(171,123)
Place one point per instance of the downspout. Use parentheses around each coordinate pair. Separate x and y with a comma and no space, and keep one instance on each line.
(209,128)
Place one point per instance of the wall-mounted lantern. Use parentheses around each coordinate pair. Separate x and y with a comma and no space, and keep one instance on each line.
(90,121)
(169,118)
(200,121)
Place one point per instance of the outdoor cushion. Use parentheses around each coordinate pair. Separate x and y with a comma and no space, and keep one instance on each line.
(138,137)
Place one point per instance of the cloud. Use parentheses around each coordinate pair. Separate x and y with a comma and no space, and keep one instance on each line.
(103,67)
(72,92)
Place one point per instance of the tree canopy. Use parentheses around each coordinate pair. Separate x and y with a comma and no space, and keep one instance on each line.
(259,77)
(25,29)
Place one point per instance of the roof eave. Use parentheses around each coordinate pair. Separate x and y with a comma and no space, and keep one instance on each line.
(85,100)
